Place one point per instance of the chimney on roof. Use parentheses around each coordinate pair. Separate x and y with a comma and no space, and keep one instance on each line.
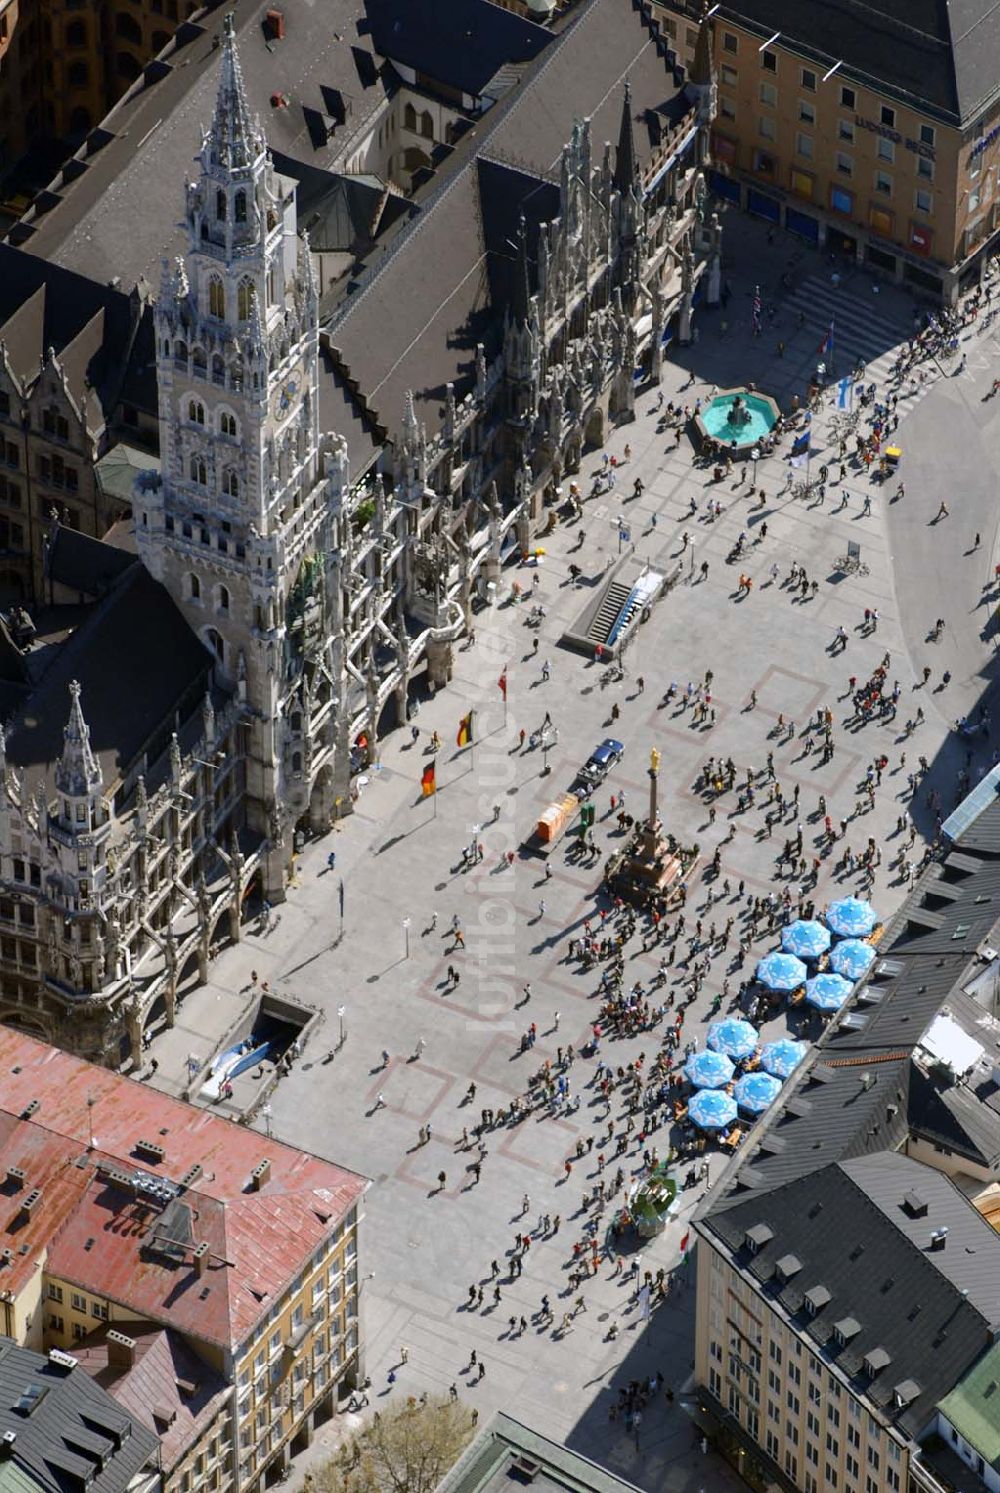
(121,1350)
(7,1441)
(261,1175)
(201,1259)
(939,1238)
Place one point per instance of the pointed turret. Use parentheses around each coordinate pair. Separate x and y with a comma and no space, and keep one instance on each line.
(235,139)
(520,297)
(78,774)
(625,168)
(701,64)
(699,87)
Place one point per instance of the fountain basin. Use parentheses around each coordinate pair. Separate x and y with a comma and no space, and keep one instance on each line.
(737,416)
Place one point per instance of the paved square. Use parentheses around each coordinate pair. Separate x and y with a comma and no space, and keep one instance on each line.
(425,1247)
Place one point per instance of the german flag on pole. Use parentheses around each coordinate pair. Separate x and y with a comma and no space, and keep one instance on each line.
(428,780)
(502,682)
(464,730)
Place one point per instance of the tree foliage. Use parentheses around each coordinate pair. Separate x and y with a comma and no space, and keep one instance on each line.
(407,1449)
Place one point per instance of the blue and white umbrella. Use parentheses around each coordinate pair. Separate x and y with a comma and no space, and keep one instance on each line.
(709,1070)
(757,1092)
(736,1038)
(851,917)
(781,1058)
(828,991)
(851,958)
(711,1109)
(805,938)
(781,971)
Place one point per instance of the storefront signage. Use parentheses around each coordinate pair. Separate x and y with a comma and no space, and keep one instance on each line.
(917,146)
(984,141)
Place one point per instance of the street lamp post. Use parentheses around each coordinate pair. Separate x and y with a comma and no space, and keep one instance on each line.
(755,458)
(266,1113)
(341,1013)
(406,938)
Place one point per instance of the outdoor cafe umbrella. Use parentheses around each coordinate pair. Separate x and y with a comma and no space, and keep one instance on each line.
(781,1058)
(757,1091)
(851,917)
(736,1038)
(711,1109)
(851,958)
(781,971)
(708,1070)
(806,938)
(828,991)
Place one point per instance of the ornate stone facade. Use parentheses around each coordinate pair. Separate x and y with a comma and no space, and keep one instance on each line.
(317,600)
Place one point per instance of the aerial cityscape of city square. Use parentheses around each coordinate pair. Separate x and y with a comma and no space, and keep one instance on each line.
(499,803)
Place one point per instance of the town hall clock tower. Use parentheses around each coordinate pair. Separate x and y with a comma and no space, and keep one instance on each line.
(244,525)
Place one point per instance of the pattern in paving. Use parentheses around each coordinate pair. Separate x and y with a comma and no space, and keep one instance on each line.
(400,856)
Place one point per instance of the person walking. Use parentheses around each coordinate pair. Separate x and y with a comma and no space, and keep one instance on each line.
(942,512)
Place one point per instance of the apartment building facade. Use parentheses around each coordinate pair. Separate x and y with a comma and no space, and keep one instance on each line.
(860,133)
(223,1262)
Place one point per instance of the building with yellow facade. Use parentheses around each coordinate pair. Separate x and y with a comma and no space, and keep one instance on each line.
(174,1249)
(871,130)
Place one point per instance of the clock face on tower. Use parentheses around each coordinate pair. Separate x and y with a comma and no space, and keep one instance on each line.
(286,397)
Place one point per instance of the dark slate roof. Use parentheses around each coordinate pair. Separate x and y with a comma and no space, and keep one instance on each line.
(461,43)
(137,661)
(102,340)
(932,1311)
(67,1426)
(124,211)
(935,54)
(85,565)
(417,314)
(342,212)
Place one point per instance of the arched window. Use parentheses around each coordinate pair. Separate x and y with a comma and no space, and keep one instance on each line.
(127,66)
(199,473)
(220,206)
(180,351)
(245,299)
(76,34)
(296,720)
(240,206)
(296,762)
(216,298)
(199,361)
(230,483)
(409,118)
(427,125)
(218,369)
(215,641)
(196,411)
(193,586)
(222,599)
(227,423)
(78,75)
(128,27)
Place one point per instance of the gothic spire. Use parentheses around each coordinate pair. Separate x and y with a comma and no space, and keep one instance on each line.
(701,64)
(520,299)
(235,139)
(625,169)
(77,772)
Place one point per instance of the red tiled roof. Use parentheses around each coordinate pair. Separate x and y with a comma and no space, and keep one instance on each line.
(168,1387)
(101,1234)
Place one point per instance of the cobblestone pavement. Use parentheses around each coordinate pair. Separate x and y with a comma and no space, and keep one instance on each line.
(400,857)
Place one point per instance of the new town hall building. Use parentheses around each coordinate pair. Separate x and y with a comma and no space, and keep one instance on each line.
(181,709)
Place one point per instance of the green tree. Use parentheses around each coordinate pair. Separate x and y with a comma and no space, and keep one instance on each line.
(407,1449)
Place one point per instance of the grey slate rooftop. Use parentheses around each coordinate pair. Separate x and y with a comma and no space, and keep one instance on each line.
(68,1433)
(913,1055)
(937,55)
